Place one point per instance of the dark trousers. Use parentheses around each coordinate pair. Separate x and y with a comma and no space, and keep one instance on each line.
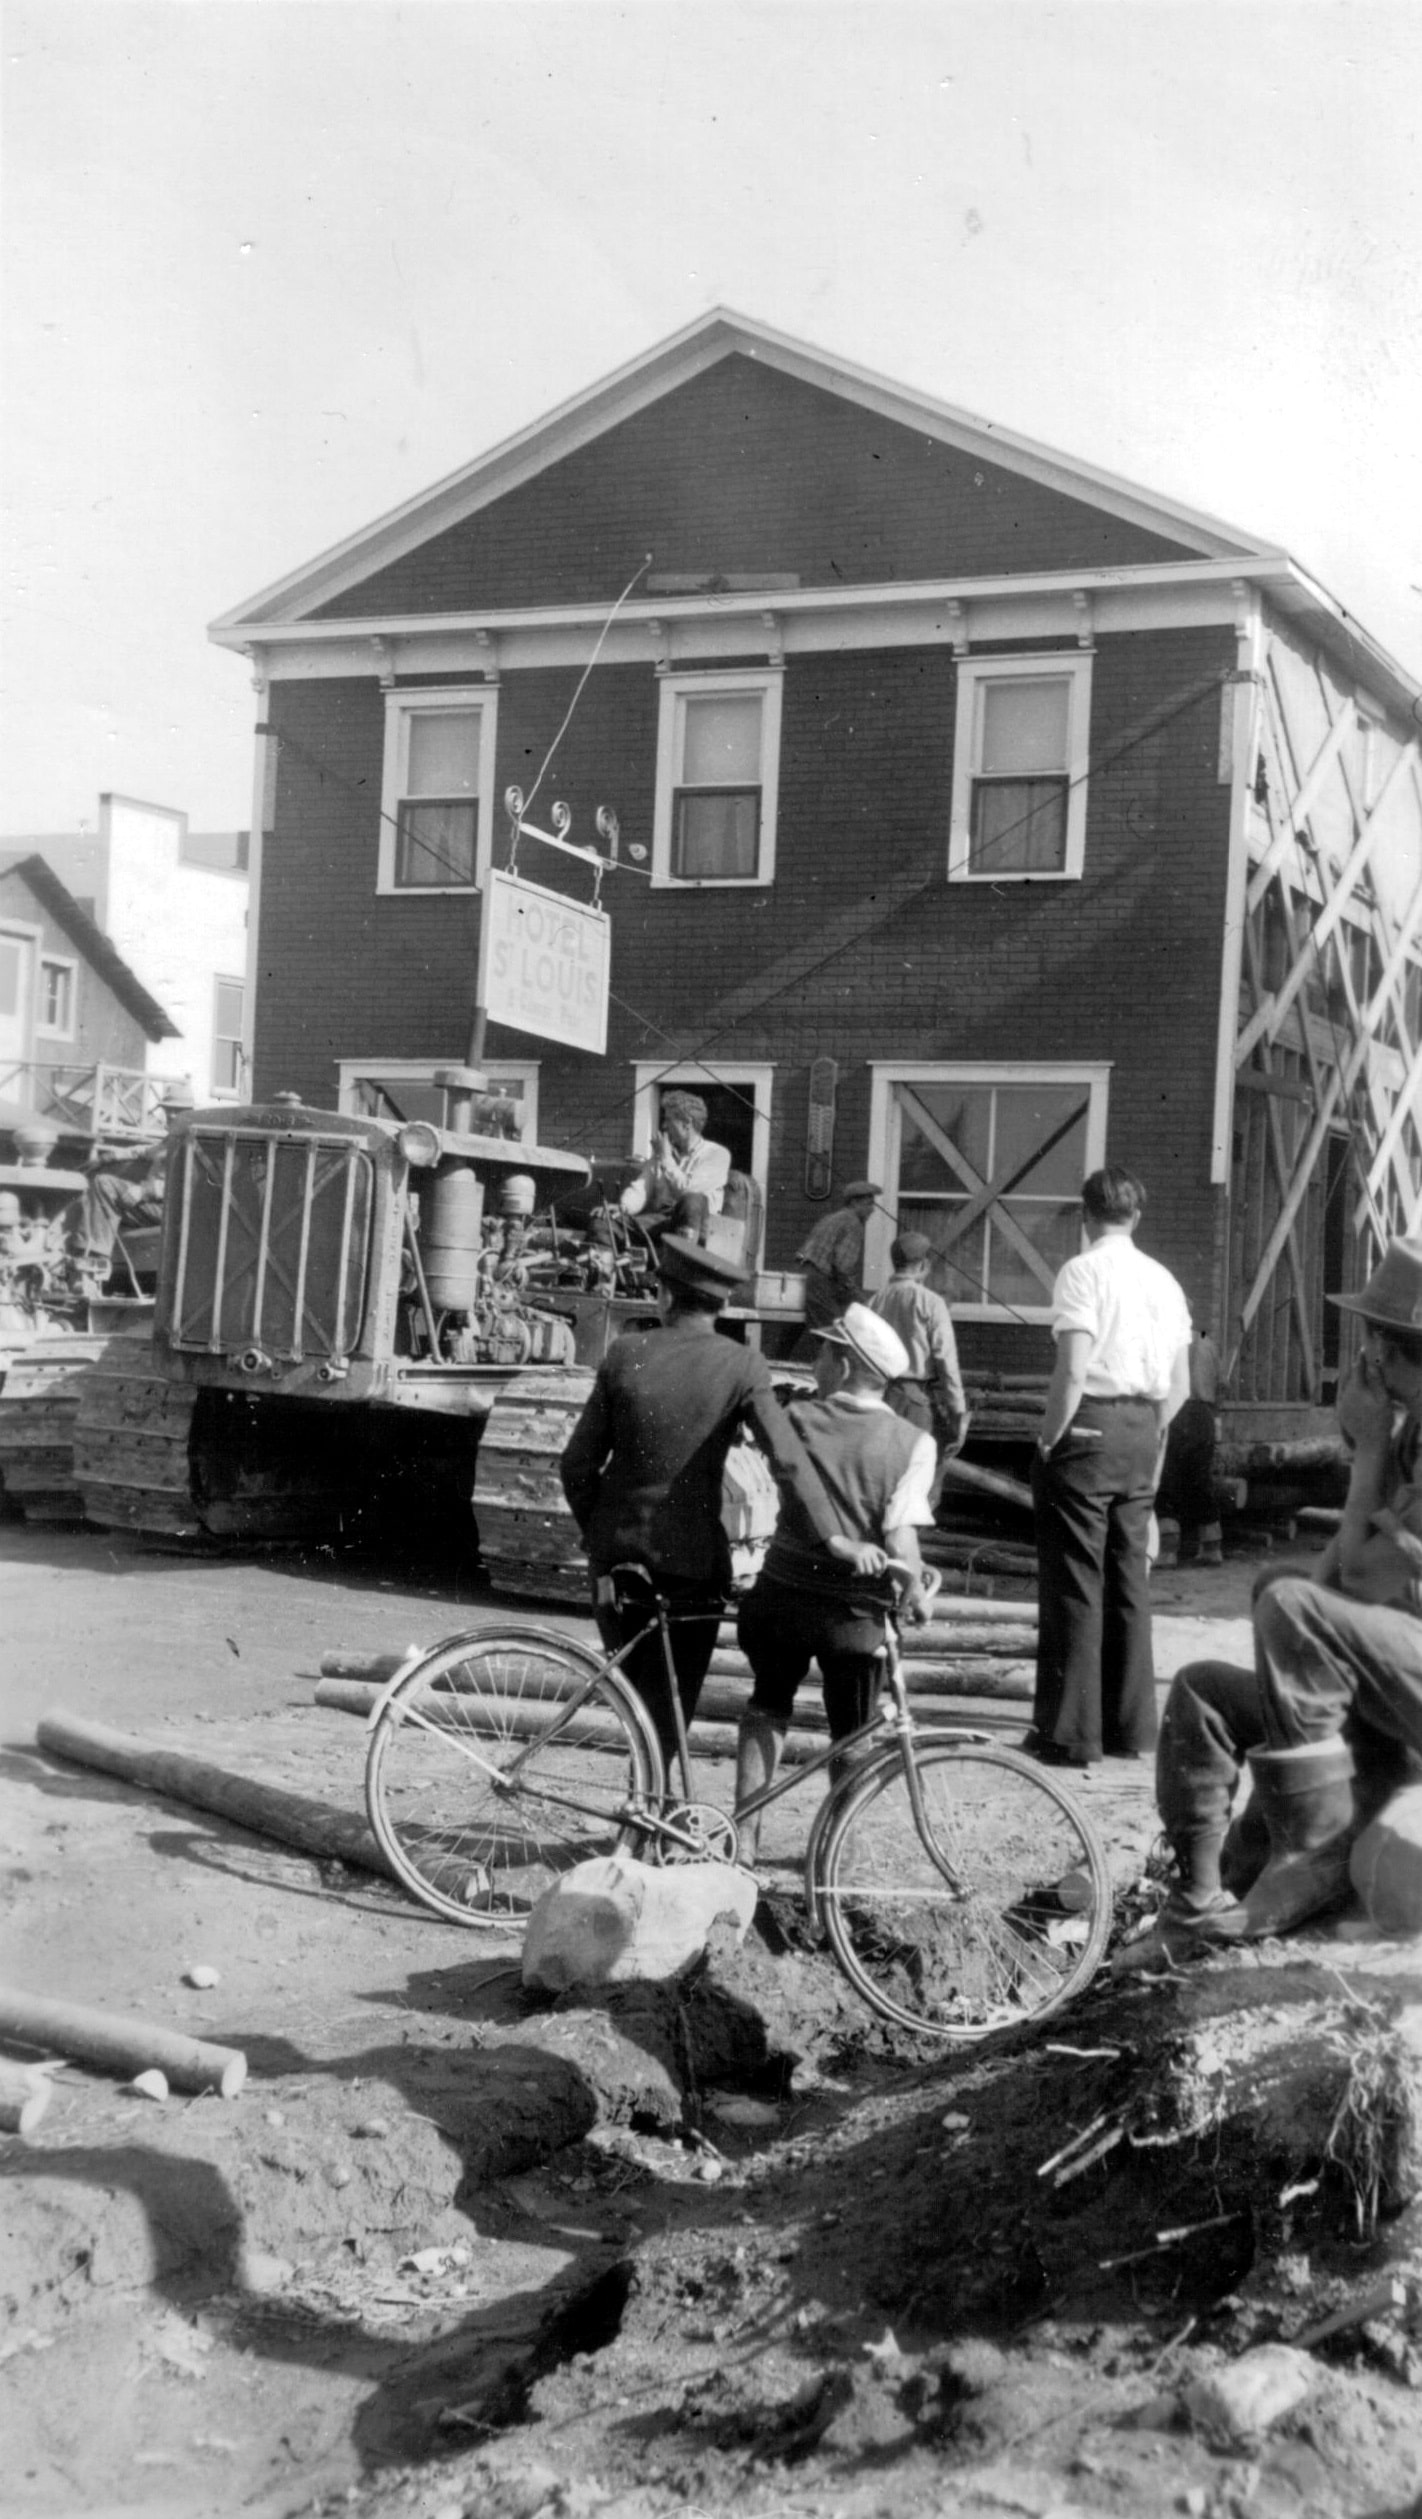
(1217,1713)
(695,1615)
(1187,1482)
(1095,1678)
(1323,1660)
(781,1631)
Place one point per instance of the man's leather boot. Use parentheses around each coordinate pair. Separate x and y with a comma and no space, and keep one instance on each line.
(1308,1797)
(758,1741)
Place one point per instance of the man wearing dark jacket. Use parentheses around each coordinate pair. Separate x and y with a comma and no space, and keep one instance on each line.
(643,1467)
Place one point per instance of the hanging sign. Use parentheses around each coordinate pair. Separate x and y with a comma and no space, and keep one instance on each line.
(544,962)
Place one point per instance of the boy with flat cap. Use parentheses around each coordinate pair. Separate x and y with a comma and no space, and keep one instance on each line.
(807,1603)
(643,1466)
(930,1396)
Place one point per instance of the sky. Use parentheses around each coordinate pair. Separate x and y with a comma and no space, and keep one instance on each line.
(272,267)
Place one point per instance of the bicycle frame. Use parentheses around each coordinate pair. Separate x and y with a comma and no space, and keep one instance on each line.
(884,1725)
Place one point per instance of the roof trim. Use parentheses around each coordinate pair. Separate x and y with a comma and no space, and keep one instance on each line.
(1293,591)
(677,361)
(103,956)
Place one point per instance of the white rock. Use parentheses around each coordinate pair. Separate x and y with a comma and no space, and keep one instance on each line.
(261,2273)
(202,1977)
(1242,2400)
(615,1919)
(150,2085)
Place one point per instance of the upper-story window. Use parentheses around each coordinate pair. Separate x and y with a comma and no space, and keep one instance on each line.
(437,802)
(718,773)
(1019,768)
(56,999)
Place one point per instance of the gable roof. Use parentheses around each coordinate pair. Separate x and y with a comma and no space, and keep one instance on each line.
(713,337)
(90,940)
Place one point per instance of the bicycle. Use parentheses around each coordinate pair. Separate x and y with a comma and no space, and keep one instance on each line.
(959,1884)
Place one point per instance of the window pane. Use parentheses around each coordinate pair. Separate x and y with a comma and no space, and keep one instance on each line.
(1029,1115)
(1054,1232)
(229,1009)
(721,741)
(1024,726)
(958,1274)
(226,1066)
(963,1114)
(444,753)
(57,979)
(435,844)
(1019,826)
(716,835)
(11,966)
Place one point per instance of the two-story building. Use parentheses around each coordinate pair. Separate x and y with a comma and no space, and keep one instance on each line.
(982,818)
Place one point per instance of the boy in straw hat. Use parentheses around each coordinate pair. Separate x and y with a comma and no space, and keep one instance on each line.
(1330,1719)
(808,1604)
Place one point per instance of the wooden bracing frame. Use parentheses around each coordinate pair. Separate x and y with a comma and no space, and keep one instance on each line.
(1328,1057)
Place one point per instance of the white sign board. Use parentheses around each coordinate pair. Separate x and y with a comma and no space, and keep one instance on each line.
(544,963)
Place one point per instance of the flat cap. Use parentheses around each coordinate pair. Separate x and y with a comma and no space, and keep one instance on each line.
(686,1263)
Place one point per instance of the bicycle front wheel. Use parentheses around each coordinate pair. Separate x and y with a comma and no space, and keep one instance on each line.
(500,1760)
(989,1909)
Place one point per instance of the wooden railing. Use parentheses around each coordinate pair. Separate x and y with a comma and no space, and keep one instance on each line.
(87,1100)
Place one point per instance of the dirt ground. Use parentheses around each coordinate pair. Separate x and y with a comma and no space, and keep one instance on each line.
(455,2252)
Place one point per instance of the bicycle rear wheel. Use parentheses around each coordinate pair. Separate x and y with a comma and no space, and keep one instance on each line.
(500,1760)
(994,1913)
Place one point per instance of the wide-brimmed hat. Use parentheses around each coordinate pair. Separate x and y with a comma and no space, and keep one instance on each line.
(863,1189)
(871,1340)
(686,1263)
(1392,1296)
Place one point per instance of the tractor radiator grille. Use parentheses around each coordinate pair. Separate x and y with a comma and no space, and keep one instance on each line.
(272,1241)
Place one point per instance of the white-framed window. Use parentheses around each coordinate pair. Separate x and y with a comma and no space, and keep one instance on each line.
(988,1161)
(227,998)
(1020,751)
(737,1099)
(437,792)
(57,999)
(718,777)
(403,1089)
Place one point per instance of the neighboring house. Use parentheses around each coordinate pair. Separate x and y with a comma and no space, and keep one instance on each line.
(77,1026)
(982,818)
(174,903)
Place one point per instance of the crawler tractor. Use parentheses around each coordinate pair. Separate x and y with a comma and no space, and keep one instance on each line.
(360,1323)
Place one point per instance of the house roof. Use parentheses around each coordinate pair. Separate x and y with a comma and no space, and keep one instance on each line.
(90,940)
(1209,549)
(659,371)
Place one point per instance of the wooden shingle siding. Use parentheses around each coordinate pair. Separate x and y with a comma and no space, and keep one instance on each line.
(748,469)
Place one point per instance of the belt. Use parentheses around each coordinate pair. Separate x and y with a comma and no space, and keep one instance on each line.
(1120,1399)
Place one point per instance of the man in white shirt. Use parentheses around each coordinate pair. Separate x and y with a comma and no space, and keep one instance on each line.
(684,1181)
(1122,1331)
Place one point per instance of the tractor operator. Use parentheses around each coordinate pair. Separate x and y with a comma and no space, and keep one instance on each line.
(683,1182)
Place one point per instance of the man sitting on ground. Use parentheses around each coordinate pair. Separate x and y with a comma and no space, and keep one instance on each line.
(807,1604)
(1330,1719)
